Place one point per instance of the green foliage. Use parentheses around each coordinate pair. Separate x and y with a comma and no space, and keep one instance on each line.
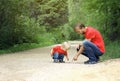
(112,51)
(21,47)
(7,23)
(29,30)
(26,24)
(102,14)
(29,21)
(68,32)
(46,39)
(50,12)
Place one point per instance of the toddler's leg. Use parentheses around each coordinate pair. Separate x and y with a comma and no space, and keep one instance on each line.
(61,57)
(55,57)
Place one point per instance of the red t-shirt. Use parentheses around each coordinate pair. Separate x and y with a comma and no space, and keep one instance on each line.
(59,50)
(95,37)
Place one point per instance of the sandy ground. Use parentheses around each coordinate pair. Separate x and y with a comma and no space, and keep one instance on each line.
(36,65)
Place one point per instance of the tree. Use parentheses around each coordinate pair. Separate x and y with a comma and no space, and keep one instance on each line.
(24,21)
(102,14)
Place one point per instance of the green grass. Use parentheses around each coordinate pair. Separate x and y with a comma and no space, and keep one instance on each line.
(22,47)
(112,51)
(43,40)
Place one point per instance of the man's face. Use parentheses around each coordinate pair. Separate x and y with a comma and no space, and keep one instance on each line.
(79,31)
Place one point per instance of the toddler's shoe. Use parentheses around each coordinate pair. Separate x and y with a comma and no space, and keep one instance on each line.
(56,61)
(61,61)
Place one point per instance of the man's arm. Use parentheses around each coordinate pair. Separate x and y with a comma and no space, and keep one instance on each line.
(78,53)
(80,50)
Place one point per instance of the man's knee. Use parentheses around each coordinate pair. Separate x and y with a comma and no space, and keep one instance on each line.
(86,42)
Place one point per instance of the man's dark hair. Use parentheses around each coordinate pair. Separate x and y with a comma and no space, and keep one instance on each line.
(80,25)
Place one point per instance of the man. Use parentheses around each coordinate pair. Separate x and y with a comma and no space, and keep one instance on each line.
(93,45)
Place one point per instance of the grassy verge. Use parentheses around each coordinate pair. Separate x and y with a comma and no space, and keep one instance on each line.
(22,47)
(46,40)
(112,51)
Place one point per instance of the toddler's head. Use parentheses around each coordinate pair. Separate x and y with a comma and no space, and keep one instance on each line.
(66,45)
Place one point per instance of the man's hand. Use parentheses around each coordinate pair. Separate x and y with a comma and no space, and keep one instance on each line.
(75,58)
(78,53)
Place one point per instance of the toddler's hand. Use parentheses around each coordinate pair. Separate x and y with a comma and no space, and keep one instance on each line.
(67,59)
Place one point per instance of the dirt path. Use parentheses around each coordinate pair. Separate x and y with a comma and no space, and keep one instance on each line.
(36,65)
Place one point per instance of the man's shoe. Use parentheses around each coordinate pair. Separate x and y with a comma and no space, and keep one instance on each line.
(98,58)
(90,62)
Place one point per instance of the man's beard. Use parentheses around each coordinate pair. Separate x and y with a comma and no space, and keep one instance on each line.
(83,33)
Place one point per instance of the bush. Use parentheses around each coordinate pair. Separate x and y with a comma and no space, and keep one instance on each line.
(46,39)
(112,50)
(29,30)
(68,32)
(25,21)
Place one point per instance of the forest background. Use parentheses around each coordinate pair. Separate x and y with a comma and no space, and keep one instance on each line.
(27,24)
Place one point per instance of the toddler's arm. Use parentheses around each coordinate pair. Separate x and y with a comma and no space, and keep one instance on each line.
(51,53)
(67,57)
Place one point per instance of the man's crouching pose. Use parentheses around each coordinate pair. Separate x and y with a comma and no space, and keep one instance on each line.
(93,45)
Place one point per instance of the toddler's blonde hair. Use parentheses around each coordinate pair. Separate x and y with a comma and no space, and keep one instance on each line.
(66,45)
